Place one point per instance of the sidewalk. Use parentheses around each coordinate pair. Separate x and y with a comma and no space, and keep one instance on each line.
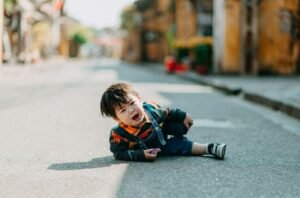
(280,93)
(8,70)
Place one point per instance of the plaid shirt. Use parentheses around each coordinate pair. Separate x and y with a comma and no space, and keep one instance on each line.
(125,149)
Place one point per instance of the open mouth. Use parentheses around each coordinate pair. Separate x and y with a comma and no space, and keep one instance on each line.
(135,117)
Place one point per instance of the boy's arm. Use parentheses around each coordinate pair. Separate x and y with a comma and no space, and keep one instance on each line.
(120,148)
(174,115)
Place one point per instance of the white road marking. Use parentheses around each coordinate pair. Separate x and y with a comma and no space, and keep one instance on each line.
(212,123)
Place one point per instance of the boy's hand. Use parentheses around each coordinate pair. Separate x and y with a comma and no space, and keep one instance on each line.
(151,154)
(188,121)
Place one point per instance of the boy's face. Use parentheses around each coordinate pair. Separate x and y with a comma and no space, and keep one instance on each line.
(132,113)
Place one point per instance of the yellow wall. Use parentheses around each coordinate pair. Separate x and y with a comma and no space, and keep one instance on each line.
(185,20)
(231,55)
(1,31)
(274,52)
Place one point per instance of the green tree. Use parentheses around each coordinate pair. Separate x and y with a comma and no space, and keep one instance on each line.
(9,5)
(80,34)
(127,18)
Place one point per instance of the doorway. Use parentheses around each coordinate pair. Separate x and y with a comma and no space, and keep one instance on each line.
(249,37)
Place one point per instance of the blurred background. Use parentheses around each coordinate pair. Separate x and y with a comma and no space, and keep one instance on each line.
(232,57)
(253,37)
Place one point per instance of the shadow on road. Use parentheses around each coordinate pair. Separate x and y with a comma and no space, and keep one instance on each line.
(94,163)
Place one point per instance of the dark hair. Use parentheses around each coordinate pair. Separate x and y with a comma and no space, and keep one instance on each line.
(115,96)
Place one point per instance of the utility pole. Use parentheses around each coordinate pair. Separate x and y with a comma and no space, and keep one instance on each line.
(1,30)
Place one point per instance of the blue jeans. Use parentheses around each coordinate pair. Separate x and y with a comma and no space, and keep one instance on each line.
(177,146)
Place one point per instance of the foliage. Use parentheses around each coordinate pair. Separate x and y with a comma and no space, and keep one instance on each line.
(9,5)
(170,36)
(204,54)
(80,34)
(79,38)
(143,5)
(127,18)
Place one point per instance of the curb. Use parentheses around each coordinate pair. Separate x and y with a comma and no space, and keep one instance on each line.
(285,108)
(220,87)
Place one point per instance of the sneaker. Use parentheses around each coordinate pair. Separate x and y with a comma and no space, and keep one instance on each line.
(218,150)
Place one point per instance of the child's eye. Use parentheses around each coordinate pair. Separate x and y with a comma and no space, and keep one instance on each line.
(122,111)
(132,103)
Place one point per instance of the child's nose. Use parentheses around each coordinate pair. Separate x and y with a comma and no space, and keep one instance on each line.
(131,110)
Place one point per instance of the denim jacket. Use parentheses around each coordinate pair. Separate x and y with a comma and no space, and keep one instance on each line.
(169,120)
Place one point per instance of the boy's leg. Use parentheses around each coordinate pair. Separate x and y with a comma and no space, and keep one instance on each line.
(198,149)
(216,149)
(177,146)
(183,146)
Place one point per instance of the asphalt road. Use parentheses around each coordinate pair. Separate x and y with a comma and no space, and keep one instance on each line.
(54,143)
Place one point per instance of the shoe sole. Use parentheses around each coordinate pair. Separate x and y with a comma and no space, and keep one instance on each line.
(223,151)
